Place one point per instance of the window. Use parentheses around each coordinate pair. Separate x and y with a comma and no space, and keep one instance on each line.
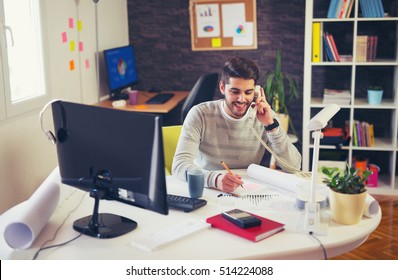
(23,70)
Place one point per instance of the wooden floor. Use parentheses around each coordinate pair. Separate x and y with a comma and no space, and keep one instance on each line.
(382,244)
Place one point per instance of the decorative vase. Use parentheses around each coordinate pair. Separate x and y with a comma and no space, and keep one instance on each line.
(347,209)
(374,96)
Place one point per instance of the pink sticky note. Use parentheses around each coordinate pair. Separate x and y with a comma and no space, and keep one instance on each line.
(80,46)
(87,62)
(71,23)
(64,37)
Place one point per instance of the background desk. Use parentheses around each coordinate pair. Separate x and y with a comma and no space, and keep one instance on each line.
(208,244)
(150,108)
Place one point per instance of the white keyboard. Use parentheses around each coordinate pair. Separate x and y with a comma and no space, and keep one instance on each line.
(169,235)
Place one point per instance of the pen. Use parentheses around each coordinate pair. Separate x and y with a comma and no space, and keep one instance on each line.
(229,170)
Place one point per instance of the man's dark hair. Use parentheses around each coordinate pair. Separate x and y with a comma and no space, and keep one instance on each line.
(239,67)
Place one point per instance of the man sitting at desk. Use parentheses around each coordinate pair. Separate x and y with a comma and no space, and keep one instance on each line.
(220,130)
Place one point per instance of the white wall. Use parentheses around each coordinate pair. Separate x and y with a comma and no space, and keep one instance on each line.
(26,157)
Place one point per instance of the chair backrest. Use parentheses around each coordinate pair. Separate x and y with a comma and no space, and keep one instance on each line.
(171,134)
(203,90)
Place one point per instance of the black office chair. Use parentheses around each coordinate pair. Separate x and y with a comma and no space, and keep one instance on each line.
(203,90)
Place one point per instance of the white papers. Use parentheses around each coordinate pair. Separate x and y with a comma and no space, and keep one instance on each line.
(243,34)
(232,16)
(208,21)
(24,222)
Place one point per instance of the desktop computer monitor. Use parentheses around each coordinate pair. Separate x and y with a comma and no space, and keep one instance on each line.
(121,70)
(114,155)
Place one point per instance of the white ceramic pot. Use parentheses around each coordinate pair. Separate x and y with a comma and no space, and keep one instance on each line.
(347,209)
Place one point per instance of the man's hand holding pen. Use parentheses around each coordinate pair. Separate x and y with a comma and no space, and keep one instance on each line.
(229,181)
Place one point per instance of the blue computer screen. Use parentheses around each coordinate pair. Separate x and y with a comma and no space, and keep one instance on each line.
(120,67)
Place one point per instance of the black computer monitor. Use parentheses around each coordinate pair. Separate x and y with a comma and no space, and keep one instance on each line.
(121,70)
(114,155)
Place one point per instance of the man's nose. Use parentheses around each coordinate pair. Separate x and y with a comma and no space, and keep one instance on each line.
(241,97)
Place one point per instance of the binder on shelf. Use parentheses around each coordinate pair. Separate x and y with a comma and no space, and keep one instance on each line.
(267,228)
(316,42)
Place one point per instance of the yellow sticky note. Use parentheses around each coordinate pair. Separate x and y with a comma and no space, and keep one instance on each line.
(79,25)
(72,46)
(71,65)
(216,42)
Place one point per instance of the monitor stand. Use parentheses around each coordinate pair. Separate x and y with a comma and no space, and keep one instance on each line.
(103,225)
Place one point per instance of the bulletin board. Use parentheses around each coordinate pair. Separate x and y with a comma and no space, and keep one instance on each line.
(223,24)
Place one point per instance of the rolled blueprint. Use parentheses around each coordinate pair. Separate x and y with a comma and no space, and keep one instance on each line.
(278,179)
(23,227)
(371,207)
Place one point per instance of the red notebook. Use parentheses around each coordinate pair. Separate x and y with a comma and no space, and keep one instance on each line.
(267,228)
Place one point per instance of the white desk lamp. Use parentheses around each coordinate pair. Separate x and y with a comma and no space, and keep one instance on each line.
(316,124)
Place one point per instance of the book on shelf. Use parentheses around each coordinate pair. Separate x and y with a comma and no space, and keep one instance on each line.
(340,8)
(366,48)
(331,50)
(362,47)
(372,8)
(267,228)
(345,58)
(363,134)
(372,47)
(328,52)
(333,8)
(334,47)
(341,97)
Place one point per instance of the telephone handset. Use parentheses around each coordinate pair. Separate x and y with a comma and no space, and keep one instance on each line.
(257,92)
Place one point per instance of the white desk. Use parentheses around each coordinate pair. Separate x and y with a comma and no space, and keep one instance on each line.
(208,244)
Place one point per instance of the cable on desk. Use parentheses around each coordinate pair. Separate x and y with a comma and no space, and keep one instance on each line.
(42,248)
(325,256)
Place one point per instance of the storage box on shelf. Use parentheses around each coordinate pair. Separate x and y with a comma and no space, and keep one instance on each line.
(358,68)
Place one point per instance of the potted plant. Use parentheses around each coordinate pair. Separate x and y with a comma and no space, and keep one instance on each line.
(375,94)
(347,193)
(281,90)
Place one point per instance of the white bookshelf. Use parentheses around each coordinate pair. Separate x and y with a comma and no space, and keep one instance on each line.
(317,75)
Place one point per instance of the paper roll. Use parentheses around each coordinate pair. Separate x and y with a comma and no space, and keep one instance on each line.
(26,224)
(279,179)
(371,207)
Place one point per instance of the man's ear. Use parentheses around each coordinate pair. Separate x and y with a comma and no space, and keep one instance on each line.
(222,88)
